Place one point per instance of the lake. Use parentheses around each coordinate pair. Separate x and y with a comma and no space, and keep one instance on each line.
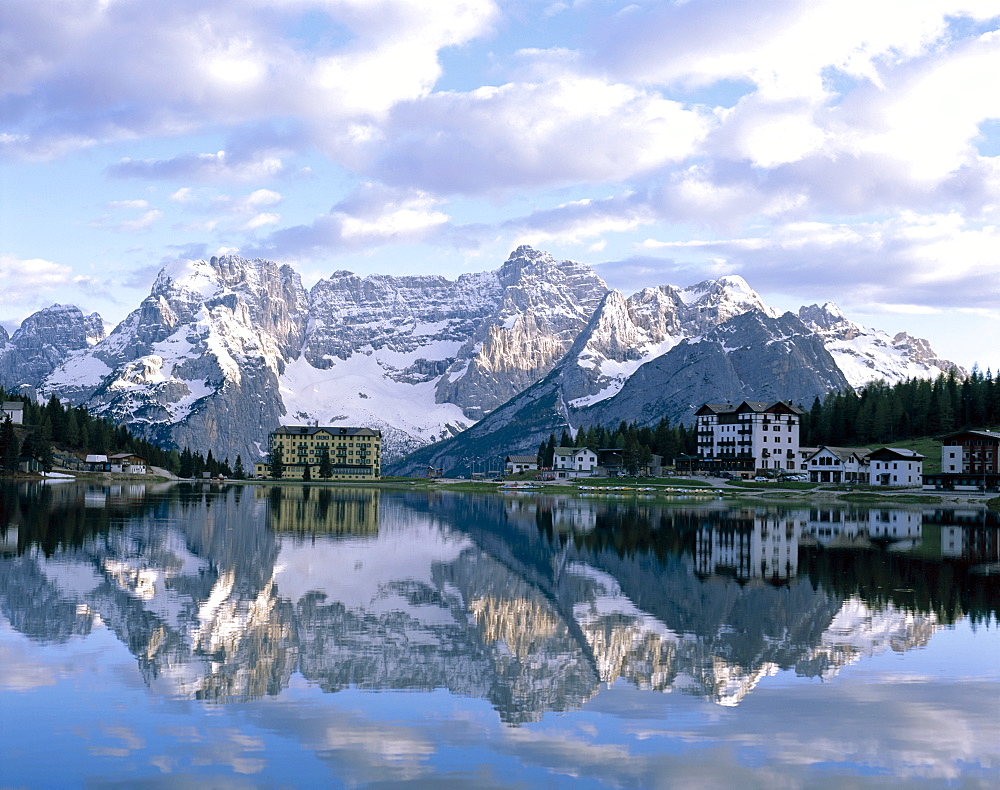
(247,636)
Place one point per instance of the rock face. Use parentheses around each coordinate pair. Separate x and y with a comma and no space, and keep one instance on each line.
(198,363)
(751,356)
(43,341)
(223,351)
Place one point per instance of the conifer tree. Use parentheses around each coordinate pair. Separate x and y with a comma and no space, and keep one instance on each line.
(325,466)
(277,464)
(186,468)
(10,448)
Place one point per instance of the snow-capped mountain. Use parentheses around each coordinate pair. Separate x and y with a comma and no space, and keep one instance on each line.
(625,333)
(752,355)
(223,351)
(43,341)
(865,354)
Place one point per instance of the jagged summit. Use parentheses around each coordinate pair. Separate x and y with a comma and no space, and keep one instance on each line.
(865,354)
(226,349)
(44,340)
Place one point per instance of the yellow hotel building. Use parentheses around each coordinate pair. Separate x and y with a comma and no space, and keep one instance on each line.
(355,453)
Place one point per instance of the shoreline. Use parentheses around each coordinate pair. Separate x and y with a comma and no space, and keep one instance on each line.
(652,488)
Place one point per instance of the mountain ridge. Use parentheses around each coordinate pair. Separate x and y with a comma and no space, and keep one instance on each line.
(224,350)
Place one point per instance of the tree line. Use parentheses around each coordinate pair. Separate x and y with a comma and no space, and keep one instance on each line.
(880,413)
(56,426)
(877,413)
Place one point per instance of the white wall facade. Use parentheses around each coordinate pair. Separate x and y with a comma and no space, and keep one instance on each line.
(771,438)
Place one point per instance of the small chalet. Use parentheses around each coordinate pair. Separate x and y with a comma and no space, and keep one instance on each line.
(520,463)
(895,466)
(611,462)
(97,463)
(30,465)
(128,463)
(838,465)
(13,409)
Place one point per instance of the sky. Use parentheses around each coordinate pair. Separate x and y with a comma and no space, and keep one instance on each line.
(825,150)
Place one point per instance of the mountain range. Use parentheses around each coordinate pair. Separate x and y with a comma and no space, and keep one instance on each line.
(225,350)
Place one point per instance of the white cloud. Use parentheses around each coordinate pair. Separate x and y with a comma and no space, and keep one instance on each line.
(143,222)
(261,220)
(24,278)
(522,135)
(211,168)
(263,197)
(177,68)
(372,215)
(787,48)
(910,262)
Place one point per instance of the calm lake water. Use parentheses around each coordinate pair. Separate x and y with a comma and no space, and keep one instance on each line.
(196,636)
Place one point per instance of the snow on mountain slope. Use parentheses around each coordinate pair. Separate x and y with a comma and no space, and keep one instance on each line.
(865,355)
(43,341)
(224,351)
(627,333)
(197,363)
(357,391)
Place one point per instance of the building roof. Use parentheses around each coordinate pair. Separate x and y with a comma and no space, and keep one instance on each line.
(756,406)
(900,453)
(96,459)
(993,435)
(13,405)
(571,451)
(844,453)
(333,430)
(522,459)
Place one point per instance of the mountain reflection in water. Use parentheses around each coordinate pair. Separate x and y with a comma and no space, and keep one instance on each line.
(224,593)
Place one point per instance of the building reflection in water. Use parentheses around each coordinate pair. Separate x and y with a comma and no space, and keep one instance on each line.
(529,602)
(320,510)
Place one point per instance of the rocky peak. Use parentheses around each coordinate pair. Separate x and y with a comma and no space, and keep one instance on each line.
(827,318)
(544,305)
(719,300)
(920,351)
(865,354)
(44,340)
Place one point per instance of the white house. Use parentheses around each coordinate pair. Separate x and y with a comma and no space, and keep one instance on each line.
(895,466)
(13,409)
(520,463)
(573,462)
(748,436)
(838,465)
